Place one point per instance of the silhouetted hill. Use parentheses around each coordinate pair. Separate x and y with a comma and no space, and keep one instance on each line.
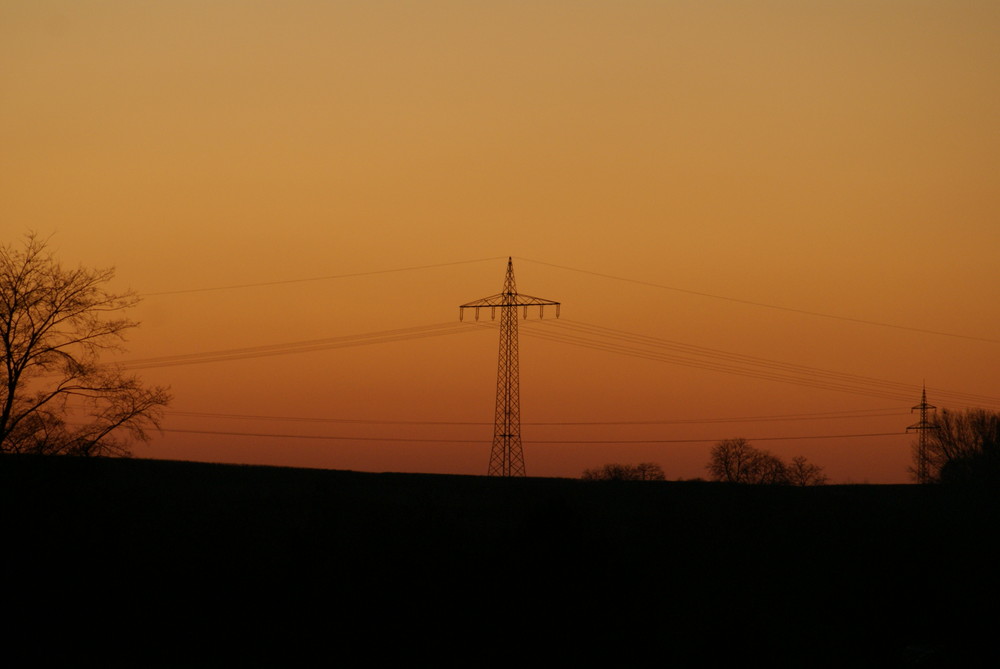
(153,563)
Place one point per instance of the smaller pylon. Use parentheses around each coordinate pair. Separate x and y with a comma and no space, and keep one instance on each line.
(922,472)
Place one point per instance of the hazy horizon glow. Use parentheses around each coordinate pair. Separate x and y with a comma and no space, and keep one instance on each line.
(662,169)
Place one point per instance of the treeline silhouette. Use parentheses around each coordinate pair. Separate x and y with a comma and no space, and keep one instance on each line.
(963,447)
(736,461)
(182,564)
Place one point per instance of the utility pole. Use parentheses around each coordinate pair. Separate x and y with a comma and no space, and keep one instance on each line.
(923,468)
(507,455)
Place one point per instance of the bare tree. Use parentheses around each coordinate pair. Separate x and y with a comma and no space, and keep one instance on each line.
(964,446)
(650,471)
(736,461)
(55,395)
(644,471)
(801,472)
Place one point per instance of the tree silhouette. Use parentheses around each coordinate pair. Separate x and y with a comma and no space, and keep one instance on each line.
(736,461)
(55,395)
(801,472)
(644,471)
(963,447)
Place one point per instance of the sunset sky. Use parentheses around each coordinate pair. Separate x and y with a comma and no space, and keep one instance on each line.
(763,186)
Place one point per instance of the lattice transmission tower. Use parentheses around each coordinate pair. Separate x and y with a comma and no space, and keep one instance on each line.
(923,473)
(507,455)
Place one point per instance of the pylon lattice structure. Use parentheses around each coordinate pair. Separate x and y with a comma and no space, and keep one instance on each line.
(923,473)
(507,454)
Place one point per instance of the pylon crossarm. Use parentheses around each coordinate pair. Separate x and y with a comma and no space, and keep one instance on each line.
(505,300)
(501,300)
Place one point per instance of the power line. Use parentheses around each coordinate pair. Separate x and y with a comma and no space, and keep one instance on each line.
(705,441)
(651,284)
(764,372)
(319,437)
(602,339)
(652,348)
(766,363)
(727,420)
(533,441)
(766,305)
(831,415)
(597,338)
(261,284)
(286,348)
(303,419)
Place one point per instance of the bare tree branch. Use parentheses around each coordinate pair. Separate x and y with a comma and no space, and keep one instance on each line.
(54,324)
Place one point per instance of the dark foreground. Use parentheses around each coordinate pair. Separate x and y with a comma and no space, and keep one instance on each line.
(145,563)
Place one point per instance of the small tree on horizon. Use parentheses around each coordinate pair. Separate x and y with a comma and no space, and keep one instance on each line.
(644,471)
(802,473)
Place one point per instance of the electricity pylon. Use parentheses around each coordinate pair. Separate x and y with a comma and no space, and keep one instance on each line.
(507,456)
(923,467)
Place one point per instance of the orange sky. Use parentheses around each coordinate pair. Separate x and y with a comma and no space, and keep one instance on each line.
(830,156)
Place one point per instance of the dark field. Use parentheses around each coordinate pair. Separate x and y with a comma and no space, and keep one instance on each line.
(147,563)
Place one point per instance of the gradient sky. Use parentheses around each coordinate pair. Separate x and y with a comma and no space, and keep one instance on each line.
(832,157)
